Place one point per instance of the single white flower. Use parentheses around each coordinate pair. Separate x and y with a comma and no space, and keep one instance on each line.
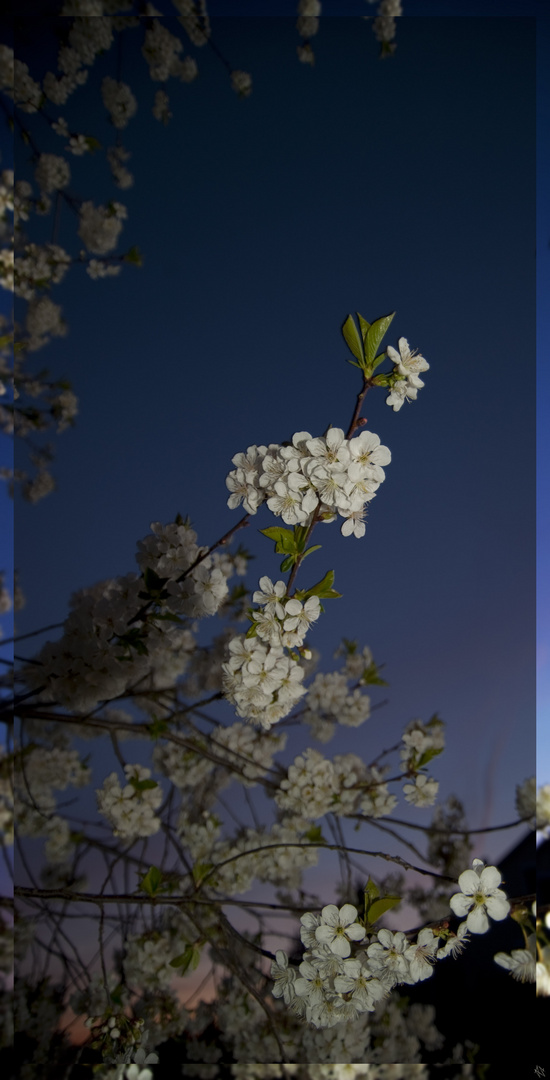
(480,897)
(408,363)
(301,616)
(311,984)
(339,928)
(367,457)
(421,955)
(520,963)
(423,792)
(270,596)
(400,392)
(283,976)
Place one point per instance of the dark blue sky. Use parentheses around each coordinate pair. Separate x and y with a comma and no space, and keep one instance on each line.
(406,185)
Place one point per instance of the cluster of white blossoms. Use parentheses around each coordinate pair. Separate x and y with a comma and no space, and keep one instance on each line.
(130,809)
(261,682)
(315,786)
(307,26)
(543,807)
(39,267)
(52,173)
(330,702)
(39,772)
(147,956)
(260,679)
(336,1072)
(329,475)
(407,365)
(43,321)
(119,101)
(100,226)
(122,177)
(278,854)
(526,801)
(332,987)
(239,750)
(111,641)
(422,742)
(347,971)
(161,50)
(384,25)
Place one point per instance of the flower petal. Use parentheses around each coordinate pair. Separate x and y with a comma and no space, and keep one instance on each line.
(490,879)
(469,882)
(477,920)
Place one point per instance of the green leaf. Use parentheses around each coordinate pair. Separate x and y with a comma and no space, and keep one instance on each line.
(92,144)
(378,360)
(288,563)
(134,256)
(371,891)
(158,728)
(200,870)
(353,340)
(142,785)
(153,583)
(323,589)
(381,380)
(314,834)
(188,961)
(316,547)
(374,337)
(428,755)
(370,676)
(300,536)
(365,326)
(285,541)
(151,882)
(251,632)
(379,907)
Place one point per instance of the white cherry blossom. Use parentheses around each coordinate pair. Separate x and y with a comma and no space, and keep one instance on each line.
(339,928)
(480,897)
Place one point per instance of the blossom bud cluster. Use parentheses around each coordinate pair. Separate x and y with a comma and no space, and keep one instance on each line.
(130,809)
(330,475)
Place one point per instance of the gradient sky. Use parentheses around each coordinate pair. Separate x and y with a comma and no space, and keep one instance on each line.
(361,186)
